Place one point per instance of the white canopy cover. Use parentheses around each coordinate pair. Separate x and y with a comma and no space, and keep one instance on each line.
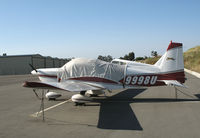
(81,67)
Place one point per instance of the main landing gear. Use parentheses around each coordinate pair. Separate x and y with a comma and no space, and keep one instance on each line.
(81,99)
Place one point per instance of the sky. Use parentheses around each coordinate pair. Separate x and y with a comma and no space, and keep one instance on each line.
(88,28)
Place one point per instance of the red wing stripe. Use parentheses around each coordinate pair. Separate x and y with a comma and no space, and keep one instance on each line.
(39,85)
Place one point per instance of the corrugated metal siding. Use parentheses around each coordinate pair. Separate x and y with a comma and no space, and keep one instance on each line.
(16,65)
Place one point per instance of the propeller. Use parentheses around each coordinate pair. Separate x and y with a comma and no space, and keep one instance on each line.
(33,67)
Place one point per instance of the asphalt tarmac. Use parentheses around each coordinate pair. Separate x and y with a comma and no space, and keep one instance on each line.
(145,113)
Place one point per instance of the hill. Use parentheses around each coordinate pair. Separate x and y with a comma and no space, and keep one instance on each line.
(192,59)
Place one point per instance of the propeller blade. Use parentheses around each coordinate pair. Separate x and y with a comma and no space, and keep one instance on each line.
(33,67)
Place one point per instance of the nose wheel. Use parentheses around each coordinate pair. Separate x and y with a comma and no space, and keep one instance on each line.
(80,103)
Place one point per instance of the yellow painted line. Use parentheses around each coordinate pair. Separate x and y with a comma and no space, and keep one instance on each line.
(49,108)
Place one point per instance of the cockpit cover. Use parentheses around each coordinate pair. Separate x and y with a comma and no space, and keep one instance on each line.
(81,67)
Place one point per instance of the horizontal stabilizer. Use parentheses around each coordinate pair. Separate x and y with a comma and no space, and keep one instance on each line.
(173,83)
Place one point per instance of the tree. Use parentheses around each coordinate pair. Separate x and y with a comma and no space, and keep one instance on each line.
(154,53)
(139,58)
(105,58)
(130,56)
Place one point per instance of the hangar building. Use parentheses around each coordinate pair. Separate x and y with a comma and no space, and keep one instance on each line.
(19,64)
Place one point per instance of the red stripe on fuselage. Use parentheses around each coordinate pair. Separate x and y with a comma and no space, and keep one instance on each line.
(179,76)
(93,79)
(149,80)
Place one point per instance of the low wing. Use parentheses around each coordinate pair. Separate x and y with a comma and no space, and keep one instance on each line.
(173,83)
(72,86)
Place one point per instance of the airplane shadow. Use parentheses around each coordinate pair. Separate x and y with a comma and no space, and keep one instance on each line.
(116,113)
(198,96)
(119,115)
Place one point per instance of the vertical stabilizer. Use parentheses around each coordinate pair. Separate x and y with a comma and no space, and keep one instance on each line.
(172,62)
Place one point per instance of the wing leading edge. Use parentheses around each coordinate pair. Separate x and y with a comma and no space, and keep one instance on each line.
(72,86)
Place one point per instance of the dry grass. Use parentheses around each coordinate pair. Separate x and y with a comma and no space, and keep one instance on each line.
(192,59)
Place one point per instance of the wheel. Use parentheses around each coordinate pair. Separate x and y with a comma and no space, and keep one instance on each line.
(79,104)
(76,104)
(52,99)
(82,92)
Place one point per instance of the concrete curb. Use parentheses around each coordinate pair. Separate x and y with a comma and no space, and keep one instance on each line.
(192,72)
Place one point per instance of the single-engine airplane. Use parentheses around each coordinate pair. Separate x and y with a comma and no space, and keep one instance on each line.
(93,76)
